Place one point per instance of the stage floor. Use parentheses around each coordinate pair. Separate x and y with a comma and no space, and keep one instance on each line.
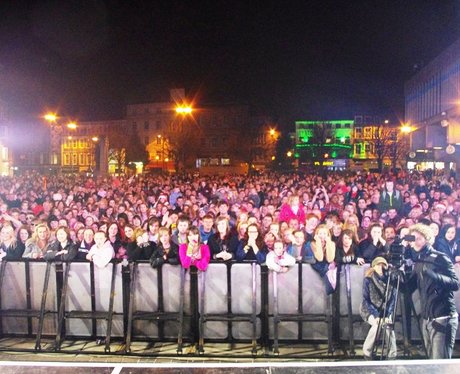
(416,366)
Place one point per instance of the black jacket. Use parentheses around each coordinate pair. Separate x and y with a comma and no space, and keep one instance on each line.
(369,251)
(158,254)
(435,278)
(137,252)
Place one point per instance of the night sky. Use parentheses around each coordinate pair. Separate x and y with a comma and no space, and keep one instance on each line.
(292,60)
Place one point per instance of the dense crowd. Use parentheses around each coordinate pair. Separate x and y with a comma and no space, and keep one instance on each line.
(323,220)
(273,218)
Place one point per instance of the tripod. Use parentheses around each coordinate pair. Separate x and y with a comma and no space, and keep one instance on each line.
(393,287)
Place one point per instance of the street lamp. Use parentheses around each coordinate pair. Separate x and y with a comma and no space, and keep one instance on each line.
(57,129)
(184,109)
(406,129)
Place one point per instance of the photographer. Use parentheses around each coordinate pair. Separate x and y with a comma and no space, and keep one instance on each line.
(435,278)
(377,307)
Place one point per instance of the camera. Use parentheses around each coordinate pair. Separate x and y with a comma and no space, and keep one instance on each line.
(399,253)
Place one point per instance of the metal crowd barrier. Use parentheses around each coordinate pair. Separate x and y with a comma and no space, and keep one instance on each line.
(231,307)
(77,303)
(230,302)
(303,299)
(148,302)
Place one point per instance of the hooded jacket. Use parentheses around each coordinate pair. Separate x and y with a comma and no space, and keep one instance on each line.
(449,248)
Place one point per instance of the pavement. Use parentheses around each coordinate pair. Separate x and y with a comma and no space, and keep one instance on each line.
(22,349)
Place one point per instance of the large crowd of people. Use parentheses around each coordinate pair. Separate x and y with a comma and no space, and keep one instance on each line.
(325,220)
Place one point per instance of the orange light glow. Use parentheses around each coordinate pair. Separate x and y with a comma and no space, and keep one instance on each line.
(50,117)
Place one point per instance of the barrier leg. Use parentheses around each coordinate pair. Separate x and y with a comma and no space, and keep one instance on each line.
(202,276)
(28,297)
(254,308)
(350,310)
(132,273)
(2,275)
(181,311)
(61,314)
(330,346)
(93,302)
(275,313)
(42,307)
(110,312)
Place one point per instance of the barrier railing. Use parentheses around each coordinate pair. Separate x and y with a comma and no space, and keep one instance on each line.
(34,306)
(75,307)
(230,302)
(225,309)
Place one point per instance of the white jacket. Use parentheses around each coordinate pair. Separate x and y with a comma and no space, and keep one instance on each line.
(276,263)
(102,256)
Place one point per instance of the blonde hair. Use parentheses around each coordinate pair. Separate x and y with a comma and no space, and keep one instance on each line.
(14,238)
(163,230)
(138,232)
(34,237)
(328,251)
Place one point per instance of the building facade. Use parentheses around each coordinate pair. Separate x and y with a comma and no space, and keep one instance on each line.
(362,143)
(432,110)
(324,143)
(5,154)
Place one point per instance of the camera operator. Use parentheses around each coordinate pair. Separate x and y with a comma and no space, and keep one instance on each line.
(377,307)
(436,280)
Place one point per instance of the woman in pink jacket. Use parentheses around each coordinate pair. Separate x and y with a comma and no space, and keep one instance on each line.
(194,253)
(292,209)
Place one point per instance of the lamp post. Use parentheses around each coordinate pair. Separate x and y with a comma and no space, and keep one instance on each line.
(162,140)
(56,133)
(181,139)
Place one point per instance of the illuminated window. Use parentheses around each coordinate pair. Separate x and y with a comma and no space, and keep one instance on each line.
(368,132)
(81,157)
(367,147)
(74,159)
(225,161)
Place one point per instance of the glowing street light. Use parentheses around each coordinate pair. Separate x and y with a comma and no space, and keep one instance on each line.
(406,129)
(289,154)
(50,117)
(72,126)
(94,138)
(182,109)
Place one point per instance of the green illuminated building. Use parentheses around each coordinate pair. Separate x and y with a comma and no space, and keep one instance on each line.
(324,143)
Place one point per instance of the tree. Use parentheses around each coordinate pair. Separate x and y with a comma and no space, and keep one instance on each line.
(125,148)
(183,139)
(135,151)
(389,144)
